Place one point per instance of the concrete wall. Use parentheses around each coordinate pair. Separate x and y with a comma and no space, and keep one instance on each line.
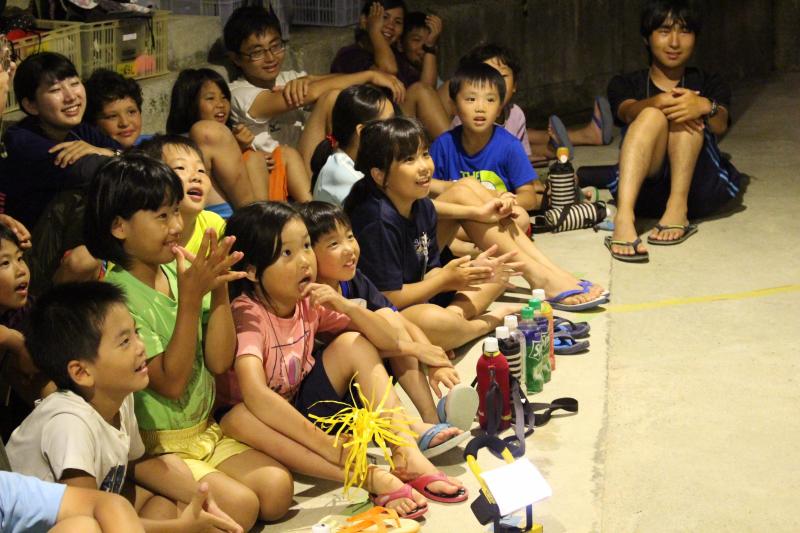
(570,49)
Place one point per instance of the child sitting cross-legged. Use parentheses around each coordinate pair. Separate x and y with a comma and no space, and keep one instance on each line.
(85,434)
(278,378)
(337,253)
(133,219)
(183,156)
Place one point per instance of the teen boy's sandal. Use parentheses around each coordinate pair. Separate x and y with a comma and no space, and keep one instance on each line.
(564,344)
(421,484)
(606,120)
(637,257)
(688,231)
(381,500)
(458,407)
(561,136)
(577,330)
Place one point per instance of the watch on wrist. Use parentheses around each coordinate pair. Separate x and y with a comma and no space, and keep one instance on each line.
(430,49)
(714,109)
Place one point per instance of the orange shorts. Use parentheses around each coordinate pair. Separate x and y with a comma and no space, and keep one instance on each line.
(277,185)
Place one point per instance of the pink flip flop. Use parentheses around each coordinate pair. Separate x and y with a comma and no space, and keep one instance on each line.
(403,492)
(421,484)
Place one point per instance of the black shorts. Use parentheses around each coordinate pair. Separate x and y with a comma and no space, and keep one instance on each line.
(715,182)
(316,392)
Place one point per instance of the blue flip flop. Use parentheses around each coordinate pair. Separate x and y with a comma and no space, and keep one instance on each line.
(586,284)
(424,441)
(606,121)
(561,134)
(555,302)
(565,344)
(578,330)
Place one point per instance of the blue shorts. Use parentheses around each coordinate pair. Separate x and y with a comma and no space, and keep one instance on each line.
(28,504)
(715,183)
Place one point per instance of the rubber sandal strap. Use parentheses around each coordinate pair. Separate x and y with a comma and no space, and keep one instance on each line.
(425,439)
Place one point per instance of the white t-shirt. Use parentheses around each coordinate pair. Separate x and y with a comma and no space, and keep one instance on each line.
(269,132)
(65,432)
(336,178)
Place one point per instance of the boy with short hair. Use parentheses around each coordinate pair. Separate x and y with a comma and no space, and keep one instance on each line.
(478,149)
(184,157)
(670,165)
(114,104)
(85,434)
(418,45)
(268,100)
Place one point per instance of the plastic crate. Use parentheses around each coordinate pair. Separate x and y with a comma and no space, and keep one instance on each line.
(326,12)
(135,47)
(59,36)
(209,8)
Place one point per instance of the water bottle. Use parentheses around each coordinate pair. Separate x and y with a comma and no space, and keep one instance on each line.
(493,368)
(534,352)
(547,311)
(510,322)
(562,184)
(509,347)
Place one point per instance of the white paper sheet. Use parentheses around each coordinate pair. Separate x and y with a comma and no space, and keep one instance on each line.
(516,485)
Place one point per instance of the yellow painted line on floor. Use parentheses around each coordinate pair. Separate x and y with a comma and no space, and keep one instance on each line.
(759,293)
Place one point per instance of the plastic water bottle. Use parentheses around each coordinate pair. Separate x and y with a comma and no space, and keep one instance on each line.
(547,311)
(510,321)
(547,340)
(492,367)
(561,181)
(534,352)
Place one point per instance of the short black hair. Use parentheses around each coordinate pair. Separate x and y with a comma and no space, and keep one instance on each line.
(66,324)
(656,12)
(124,185)
(246,21)
(6,234)
(36,69)
(322,218)
(154,146)
(414,20)
(478,73)
(184,106)
(105,86)
(487,51)
(257,228)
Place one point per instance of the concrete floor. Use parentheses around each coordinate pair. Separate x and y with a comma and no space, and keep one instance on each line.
(688,396)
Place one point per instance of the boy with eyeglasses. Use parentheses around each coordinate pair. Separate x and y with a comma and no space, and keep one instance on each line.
(268,100)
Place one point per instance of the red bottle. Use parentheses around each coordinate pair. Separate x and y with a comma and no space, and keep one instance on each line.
(492,371)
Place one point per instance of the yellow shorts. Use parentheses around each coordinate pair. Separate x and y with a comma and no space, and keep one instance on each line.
(202,447)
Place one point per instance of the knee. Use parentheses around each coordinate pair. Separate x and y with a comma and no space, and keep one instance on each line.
(241,504)
(421,90)
(352,343)
(208,132)
(276,494)
(650,117)
(80,265)
(77,524)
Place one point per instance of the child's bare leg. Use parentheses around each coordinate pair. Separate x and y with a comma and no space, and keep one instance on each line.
(223,159)
(351,354)
(153,506)
(78,265)
(423,102)
(235,499)
(245,427)
(449,329)
(318,125)
(77,524)
(89,510)
(266,477)
(537,270)
(447,103)
(298,178)
(258,173)
(409,374)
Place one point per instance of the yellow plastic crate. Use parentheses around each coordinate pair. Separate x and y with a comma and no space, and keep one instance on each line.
(59,36)
(135,47)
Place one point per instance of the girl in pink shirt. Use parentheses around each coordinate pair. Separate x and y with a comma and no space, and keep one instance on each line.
(279,375)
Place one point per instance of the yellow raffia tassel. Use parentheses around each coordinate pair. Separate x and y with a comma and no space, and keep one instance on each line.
(383,425)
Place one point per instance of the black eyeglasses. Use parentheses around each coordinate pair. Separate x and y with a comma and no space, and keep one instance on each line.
(259,53)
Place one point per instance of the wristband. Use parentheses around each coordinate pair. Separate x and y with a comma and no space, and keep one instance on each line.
(430,49)
(714,109)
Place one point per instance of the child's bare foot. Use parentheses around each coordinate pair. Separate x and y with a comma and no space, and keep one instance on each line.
(440,438)
(411,464)
(381,482)
(562,282)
